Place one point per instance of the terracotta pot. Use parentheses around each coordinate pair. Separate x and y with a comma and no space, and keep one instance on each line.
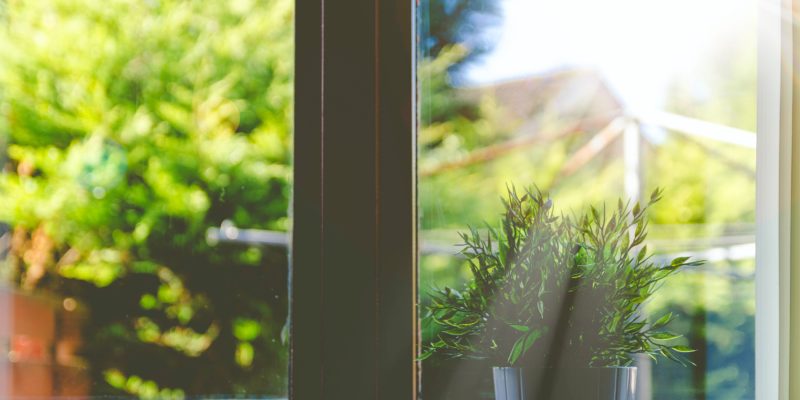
(39,339)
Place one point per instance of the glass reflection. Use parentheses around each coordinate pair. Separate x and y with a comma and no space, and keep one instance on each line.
(586,103)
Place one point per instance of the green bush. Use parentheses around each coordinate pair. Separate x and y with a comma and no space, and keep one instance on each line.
(132,127)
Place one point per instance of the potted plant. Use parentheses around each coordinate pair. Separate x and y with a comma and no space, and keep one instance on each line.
(554,302)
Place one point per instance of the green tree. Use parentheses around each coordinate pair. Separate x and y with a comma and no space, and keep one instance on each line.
(468,23)
(132,127)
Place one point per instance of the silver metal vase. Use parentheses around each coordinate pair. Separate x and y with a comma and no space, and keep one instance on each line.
(613,383)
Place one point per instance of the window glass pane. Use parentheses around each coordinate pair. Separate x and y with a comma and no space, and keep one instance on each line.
(582,104)
(145,152)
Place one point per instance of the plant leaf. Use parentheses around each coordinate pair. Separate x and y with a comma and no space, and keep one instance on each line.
(522,345)
(683,349)
(664,336)
(521,328)
(664,320)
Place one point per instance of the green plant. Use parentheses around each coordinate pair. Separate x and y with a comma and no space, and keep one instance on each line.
(132,127)
(552,290)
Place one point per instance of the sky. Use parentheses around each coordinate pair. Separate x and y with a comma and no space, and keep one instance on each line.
(640,46)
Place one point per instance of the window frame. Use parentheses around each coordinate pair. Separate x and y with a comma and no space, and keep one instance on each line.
(353,283)
(776,210)
(793,372)
(355,334)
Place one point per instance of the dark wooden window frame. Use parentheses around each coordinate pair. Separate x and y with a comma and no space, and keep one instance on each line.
(354,282)
(353,296)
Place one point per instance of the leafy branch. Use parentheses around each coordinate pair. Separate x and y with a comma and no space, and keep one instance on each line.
(553,289)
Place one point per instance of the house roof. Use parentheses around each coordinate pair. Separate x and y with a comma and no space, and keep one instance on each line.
(564,96)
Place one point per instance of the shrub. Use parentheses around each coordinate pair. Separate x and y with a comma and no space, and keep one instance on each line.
(132,127)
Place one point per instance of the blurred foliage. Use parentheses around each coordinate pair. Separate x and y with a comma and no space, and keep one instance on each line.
(711,193)
(132,127)
(464,22)
(451,127)
(716,313)
(145,389)
(455,125)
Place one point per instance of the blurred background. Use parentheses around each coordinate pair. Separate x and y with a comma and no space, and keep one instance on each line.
(135,137)
(594,101)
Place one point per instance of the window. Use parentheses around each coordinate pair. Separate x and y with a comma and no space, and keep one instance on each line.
(355,286)
(362,73)
(609,103)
